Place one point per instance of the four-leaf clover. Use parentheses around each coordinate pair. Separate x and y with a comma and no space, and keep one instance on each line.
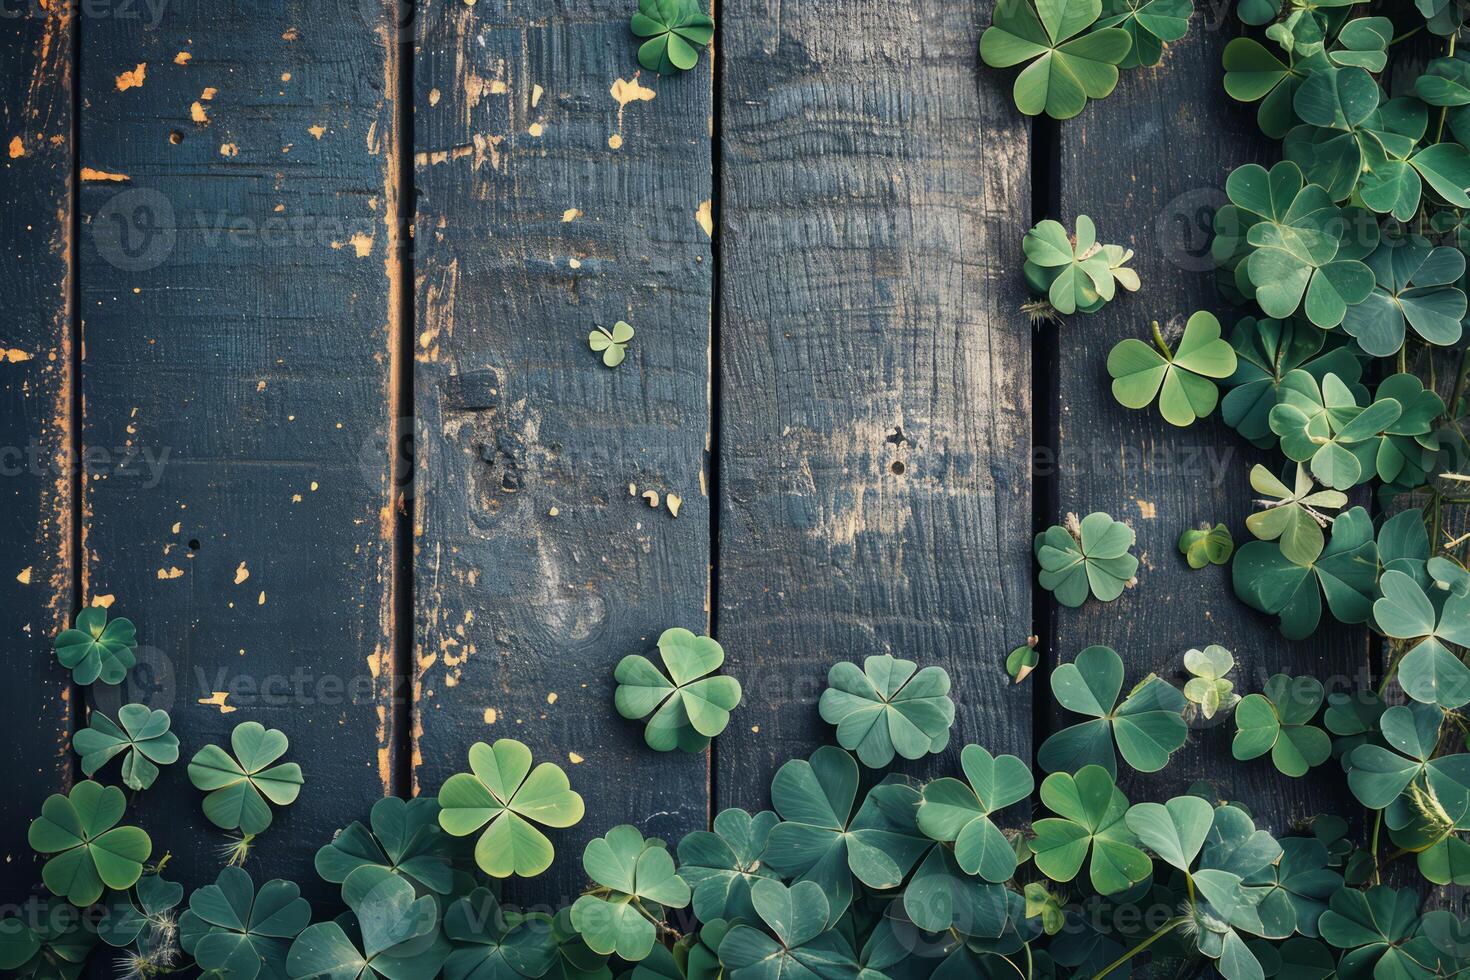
(639,881)
(239,933)
(677,30)
(237,788)
(1090,557)
(89,850)
(142,733)
(886,708)
(688,710)
(1065,69)
(95,649)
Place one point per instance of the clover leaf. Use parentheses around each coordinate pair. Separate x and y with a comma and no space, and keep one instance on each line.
(613,344)
(1254,74)
(1324,424)
(1209,687)
(941,896)
(1090,557)
(1266,352)
(1148,726)
(1363,42)
(1300,885)
(1414,283)
(960,812)
(1291,516)
(1074,273)
(139,916)
(1090,810)
(405,838)
(392,933)
(888,707)
(1065,69)
(687,711)
(574,960)
(1378,775)
(639,881)
(722,865)
(1407,450)
(1277,721)
(503,795)
(1021,661)
(142,734)
(1183,379)
(1429,672)
(95,649)
(1174,830)
(51,943)
(1344,573)
(1375,928)
(237,788)
(1206,545)
(677,30)
(88,849)
(239,933)
(495,943)
(795,942)
(1150,24)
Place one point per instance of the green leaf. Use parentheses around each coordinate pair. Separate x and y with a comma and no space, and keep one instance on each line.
(405,839)
(796,945)
(237,788)
(493,943)
(1182,379)
(888,707)
(1147,726)
(960,812)
(1021,661)
(1090,557)
(612,344)
(1075,273)
(1065,69)
(677,30)
(95,649)
(89,851)
(1091,812)
(1151,24)
(1175,830)
(139,732)
(1292,515)
(1277,722)
(689,710)
(721,866)
(639,881)
(1344,573)
(1209,687)
(232,929)
(1416,284)
(1206,545)
(1430,671)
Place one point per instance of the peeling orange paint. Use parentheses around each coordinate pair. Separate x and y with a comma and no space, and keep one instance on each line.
(706,217)
(183,58)
(17,147)
(172,572)
(241,574)
(104,601)
(229,150)
(216,699)
(92,175)
(14,355)
(24,578)
(132,79)
(317,131)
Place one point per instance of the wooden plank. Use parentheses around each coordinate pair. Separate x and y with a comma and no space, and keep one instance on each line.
(559,189)
(239,273)
(35,420)
(1155,192)
(875,369)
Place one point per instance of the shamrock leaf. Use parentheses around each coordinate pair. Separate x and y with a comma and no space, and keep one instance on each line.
(687,711)
(1430,672)
(613,344)
(237,788)
(1075,273)
(1415,283)
(132,915)
(1266,352)
(1140,372)
(796,944)
(1291,515)
(142,734)
(1091,811)
(638,881)
(1363,43)
(405,838)
(1324,424)
(1254,74)
(88,849)
(1147,726)
(574,960)
(52,941)
(721,866)
(1374,928)
(392,933)
(1150,24)
(960,812)
(887,708)
(941,896)
(1407,450)
(493,943)
(1209,688)
(1299,885)
(503,795)
(240,934)
(1277,721)
(1272,583)
(1206,545)
(95,649)
(1175,830)
(1377,775)
(1087,557)
(1065,69)
(1021,661)
(677,30)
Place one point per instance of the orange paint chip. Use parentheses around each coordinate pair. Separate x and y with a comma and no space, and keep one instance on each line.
(197,113)
(434,96)
(575,759)
(571,214)
(17,147)
(132,79)
(615,141)
(24,578)
(551,698)
(317,131)
(241,574)
(491,716)
(14,355)
(183,58)
(706,218)
(536,93)
(91,175)
(229,150)
(217,699)
(103,601)
(261,600)
(536,129)
(172,572)
(630,90)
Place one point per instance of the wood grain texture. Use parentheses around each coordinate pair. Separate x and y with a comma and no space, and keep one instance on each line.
(875,370)
(559,189)
(35,422)
(1149,165)
(238,277)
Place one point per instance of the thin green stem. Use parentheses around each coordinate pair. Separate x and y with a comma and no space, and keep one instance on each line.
(1160,342)
(1406,35)
(1377,825)
(1160,933)
(1444,110)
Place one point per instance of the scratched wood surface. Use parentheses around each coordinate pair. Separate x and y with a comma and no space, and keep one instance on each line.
(35,421)
(239,321)
(558,190)
(875,371)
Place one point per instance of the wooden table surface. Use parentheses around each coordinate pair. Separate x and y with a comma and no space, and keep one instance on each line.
(306,288)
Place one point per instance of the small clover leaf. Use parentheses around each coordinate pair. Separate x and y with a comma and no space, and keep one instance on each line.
(1325,426)
(1075,272)
(1090,810)
(89,851)
(1363,43)
(237,788)
(960,812)
(887,708)
(1206,545)
(1067,67)
(1266,352)
(238,933)
(639,881)
(1021,661)
(1175,830)
(405,838)
(1209,688)
(139,732)
(392,933)
(139,916)
(687,711)
(503,795)
(1254,74)
(1087,557)
(1150,23)
(1277,721)
(1183,379)
(1430,672)
(1407,450)
(95,649)
(495,943)
(51,944)
(612,344)
(1374,928)
(1148,726)
(1344,573)
(722,865)
(1291,515)
(1414,283)
(797,943)
(677,30)
(1379,775)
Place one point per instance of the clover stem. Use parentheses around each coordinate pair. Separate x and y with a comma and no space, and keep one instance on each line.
(1377,825)
(1158,934)
(1160,342)
(1189,887)
(1030,964)
(1444,110)
(1406,35)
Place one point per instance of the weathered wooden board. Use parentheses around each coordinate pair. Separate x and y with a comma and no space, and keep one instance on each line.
(238,295)
(559,189)
(874,369)
(36,494)
(1135,466)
